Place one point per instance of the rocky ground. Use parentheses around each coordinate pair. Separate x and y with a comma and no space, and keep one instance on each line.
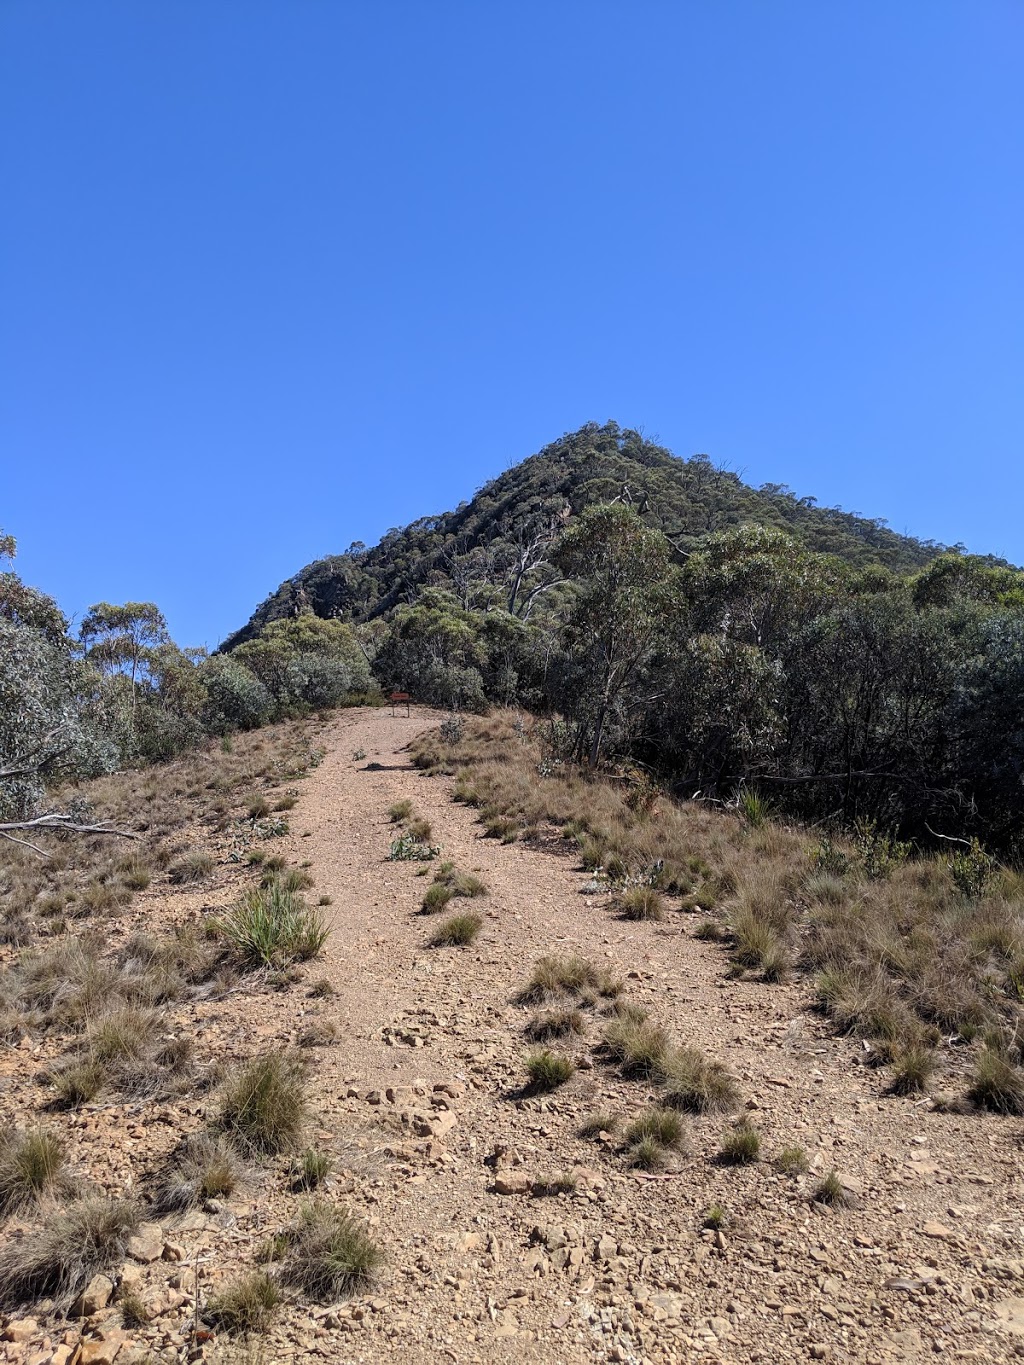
(420,1098)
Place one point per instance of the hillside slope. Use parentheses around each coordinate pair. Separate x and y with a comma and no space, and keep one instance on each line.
(492,536)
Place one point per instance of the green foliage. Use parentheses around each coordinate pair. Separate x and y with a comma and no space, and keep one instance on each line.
(458,932)
(548,1070)
(329,1254)
(408,849)
(972,870)
(263,1108)
(272,926)
(879,852)
(246,1306)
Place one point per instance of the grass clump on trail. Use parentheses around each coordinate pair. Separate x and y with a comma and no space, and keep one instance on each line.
(436,898)
(246,1306)
(263,1109)
(997,1084)
(60,1258)
(641,1049)
(573,976)
(642,903)
(272,926)
(547,1070)
(329,1255)
(459,883)
(741,1145)
(206,1167)
(554,1024)
(697,1084)
(905,942)
(32,1164)
(458,932)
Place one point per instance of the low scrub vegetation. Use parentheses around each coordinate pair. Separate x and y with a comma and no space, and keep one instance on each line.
(61,1257)
(547,1070)
(32,1164)
(263,1108)
(272,926)
(329,1254)
(248,1305)
(902,946)
(205,1167)
(457,932)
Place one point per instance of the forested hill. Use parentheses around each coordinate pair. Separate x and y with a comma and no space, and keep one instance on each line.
(491,550)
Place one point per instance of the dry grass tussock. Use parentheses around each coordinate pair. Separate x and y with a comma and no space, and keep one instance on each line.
(60,1257)
(903,950)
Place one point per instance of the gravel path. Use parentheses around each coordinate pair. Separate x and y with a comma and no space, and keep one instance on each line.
(618,1269)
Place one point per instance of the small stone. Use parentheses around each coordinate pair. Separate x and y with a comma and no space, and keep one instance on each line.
(937,1230)
(148,1243)
(512,1184)
(21,1329)
(606,1248)
(819,1351)
(173,1251)
(96,1295)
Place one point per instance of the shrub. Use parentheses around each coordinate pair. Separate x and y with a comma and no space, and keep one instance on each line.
(972,870)
(642,903)
(741,1144)
(329,1254)
(245,1306)
(830,860)
(272,927)
(31,1165)
(696,1083)
(554,1024)
(400,812)
(194,867)
(407,849)
(997,1084)
(458,932)
(205,1168)
(264,1106)
(259,808)
(61,1258)
(547,1070)
(421,829)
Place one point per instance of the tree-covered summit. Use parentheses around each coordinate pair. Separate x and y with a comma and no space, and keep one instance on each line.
(493,550)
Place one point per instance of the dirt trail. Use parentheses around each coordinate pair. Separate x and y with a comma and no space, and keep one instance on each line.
(618,1269)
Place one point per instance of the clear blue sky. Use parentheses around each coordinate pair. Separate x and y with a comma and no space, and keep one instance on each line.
(277,276)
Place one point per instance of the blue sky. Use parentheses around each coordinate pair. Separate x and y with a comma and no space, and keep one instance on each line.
(278,276)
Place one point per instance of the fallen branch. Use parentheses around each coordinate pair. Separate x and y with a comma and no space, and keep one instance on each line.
(59,821)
